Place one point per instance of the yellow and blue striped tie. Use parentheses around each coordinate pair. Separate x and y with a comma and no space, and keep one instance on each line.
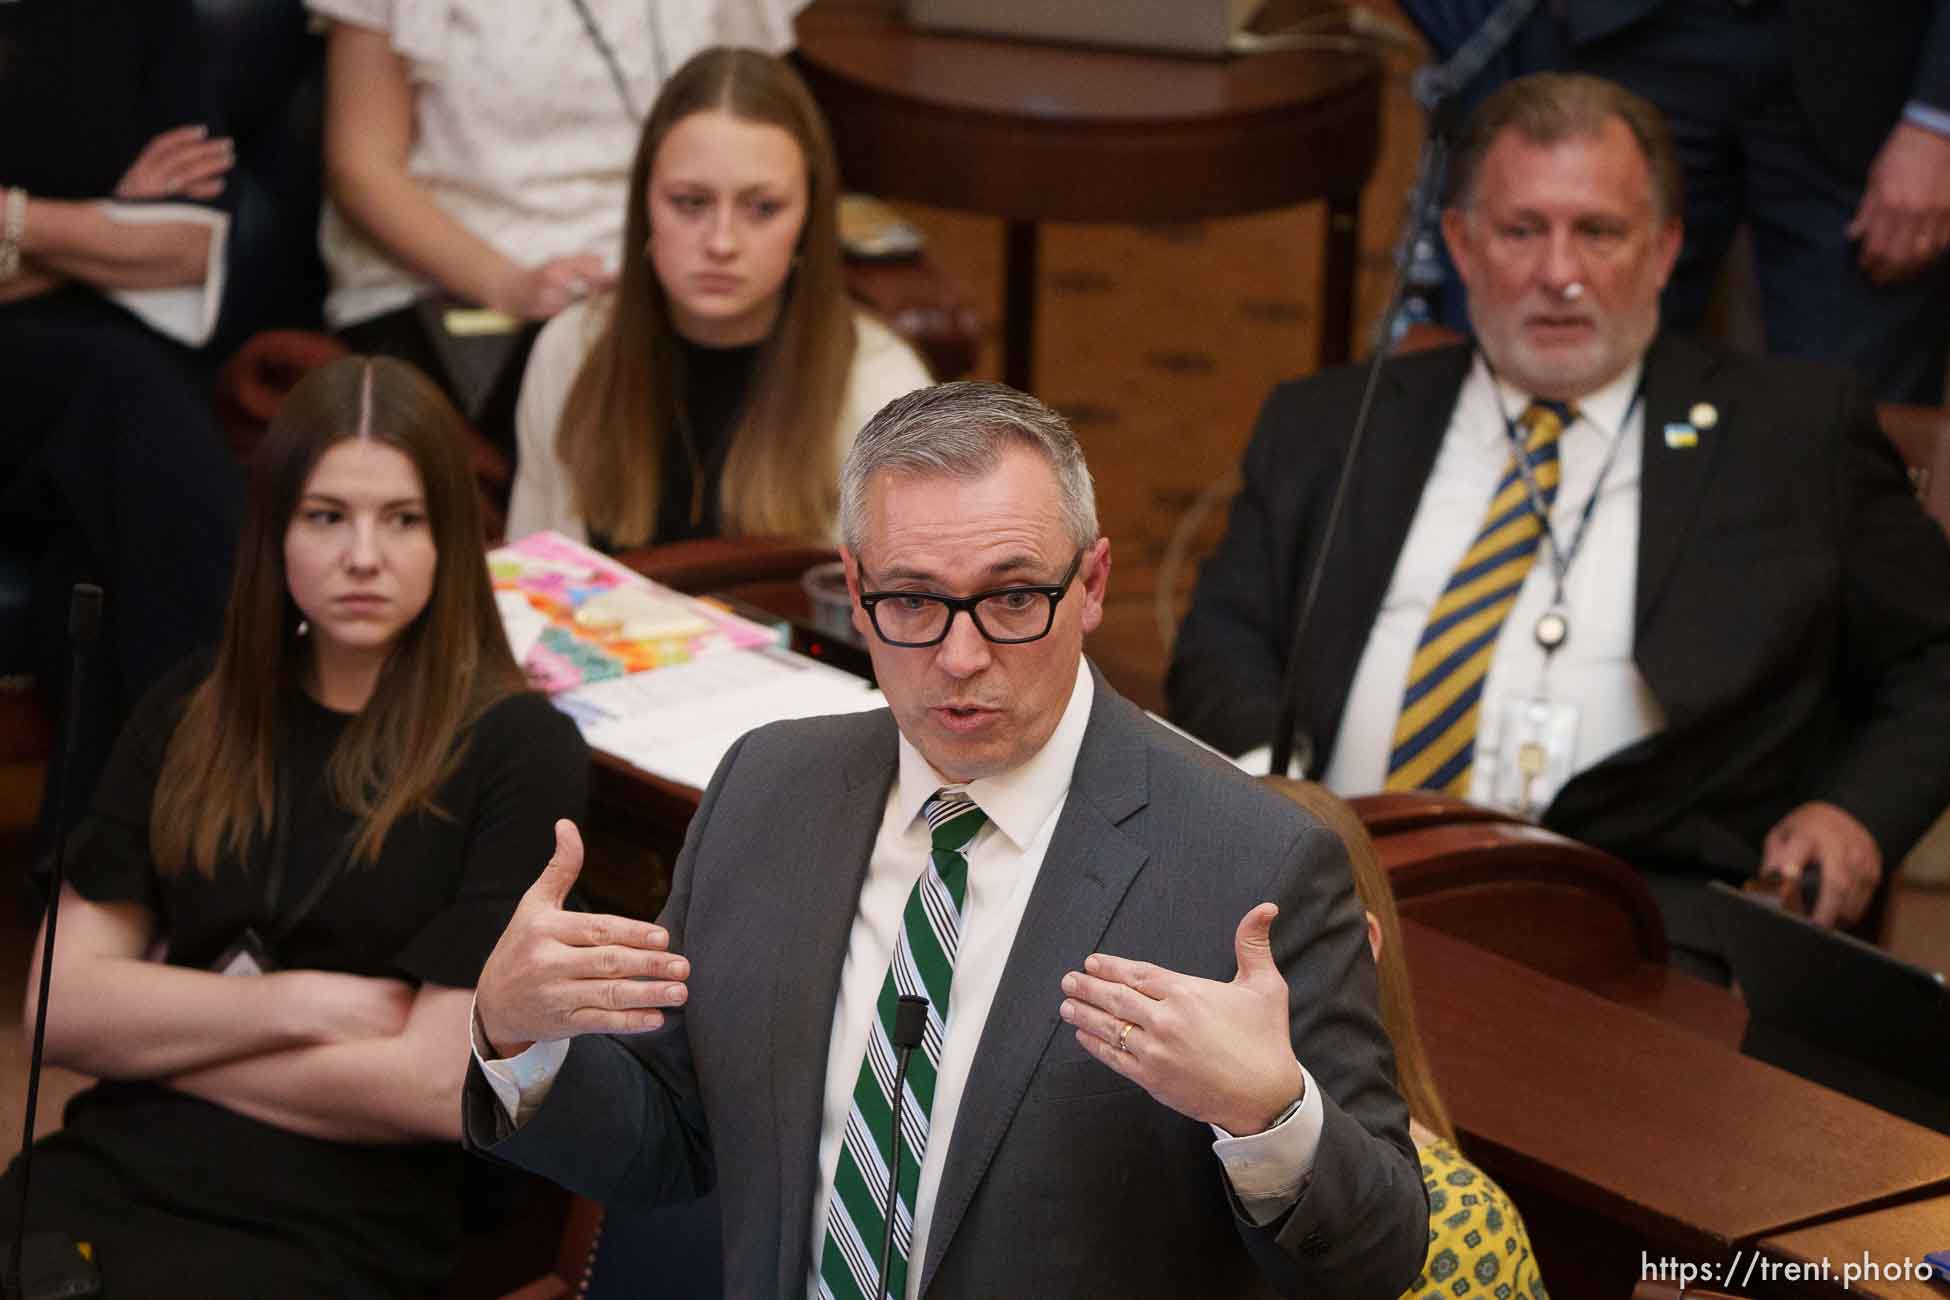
(1435,734)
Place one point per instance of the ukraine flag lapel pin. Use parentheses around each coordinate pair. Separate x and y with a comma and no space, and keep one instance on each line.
(1683,435)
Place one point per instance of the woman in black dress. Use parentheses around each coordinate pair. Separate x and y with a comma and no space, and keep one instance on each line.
(300,856)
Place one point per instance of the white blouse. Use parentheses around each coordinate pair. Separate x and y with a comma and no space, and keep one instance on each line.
(543,496)
(519,131)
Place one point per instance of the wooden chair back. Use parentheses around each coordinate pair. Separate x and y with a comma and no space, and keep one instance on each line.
(1393,811)
(717,563)
(1558,906)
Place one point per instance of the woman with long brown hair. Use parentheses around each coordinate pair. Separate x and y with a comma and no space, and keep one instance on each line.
(299,859)
(715,389)
(1478,1245)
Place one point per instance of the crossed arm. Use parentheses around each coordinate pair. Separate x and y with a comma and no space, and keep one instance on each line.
(339,1057)
(64,239)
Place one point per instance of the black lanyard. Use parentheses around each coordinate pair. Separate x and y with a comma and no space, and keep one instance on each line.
(1561,557)
(615,65)
(276,928)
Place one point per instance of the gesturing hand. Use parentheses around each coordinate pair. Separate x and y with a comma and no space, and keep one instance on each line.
(180,161)
(1823,838)
(1215,1052)
(555,974)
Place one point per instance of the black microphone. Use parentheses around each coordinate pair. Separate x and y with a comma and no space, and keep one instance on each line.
(910,1026)
(1287,732)
(58,1268)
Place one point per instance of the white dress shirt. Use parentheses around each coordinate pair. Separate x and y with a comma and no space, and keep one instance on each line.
(1267,1170)
(1594,668)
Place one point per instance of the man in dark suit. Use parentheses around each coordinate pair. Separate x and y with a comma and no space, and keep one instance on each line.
(1152,1063)
(1826,128)
(1728,653)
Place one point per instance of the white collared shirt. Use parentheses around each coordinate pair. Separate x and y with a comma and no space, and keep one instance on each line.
(1267,1170)
(1593,668)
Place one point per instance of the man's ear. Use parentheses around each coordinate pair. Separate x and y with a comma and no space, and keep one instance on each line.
(1456,234)
(1374,936)
(1095,581)
(859,613)
(1666,244)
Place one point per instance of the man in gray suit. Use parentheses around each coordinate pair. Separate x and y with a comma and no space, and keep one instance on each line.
(1217,1119)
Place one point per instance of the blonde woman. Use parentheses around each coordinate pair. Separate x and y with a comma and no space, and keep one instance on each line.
(716,388)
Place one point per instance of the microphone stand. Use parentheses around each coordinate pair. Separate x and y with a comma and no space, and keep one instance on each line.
(1287,733)
(1436,90)
(910,1026)
(65,1271)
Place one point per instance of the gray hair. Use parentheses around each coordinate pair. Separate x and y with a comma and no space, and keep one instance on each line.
(1548,107)
(961,430)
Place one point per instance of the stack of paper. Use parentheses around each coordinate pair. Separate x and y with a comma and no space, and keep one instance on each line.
(678,722)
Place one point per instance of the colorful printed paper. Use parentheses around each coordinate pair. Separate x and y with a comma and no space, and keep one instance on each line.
(605,620)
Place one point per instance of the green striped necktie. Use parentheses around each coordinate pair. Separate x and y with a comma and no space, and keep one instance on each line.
(1435,733)
(924,966)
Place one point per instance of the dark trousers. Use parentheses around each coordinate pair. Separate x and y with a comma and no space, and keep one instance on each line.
(1722,76)
(111,472)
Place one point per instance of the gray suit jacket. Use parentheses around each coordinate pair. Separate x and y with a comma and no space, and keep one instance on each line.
(1063,1179)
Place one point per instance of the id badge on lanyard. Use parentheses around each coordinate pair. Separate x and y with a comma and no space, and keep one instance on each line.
(1537,735)
(1537,739)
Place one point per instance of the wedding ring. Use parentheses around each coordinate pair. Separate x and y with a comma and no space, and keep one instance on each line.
(1124,1036)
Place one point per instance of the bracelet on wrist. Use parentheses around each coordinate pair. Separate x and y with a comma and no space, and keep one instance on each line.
(13,227)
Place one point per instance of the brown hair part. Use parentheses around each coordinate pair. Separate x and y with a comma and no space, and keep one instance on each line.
(781,475)
(1416,1079)
(218,784)
(1548,107)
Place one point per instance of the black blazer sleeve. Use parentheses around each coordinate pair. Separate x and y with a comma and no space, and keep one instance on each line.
(624,1121)
(1230,654)
(1932,85)
(1892,767)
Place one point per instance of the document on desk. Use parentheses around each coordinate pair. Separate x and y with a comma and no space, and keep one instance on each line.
(678,722)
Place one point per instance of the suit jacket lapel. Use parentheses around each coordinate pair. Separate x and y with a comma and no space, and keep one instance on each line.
(1673,475)
(1088,868)
(1412,411)
(839,838)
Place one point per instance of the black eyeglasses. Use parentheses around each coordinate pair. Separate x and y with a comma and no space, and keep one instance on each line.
(1004,615)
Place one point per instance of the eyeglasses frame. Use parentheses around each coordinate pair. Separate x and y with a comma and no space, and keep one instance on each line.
(1055,591)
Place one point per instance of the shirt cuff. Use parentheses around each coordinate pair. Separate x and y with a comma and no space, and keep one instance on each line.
(1269,1170)
(521,1083)
(186,313)
(1927,116)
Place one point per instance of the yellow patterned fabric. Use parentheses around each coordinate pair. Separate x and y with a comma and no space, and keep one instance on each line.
(1477,1243)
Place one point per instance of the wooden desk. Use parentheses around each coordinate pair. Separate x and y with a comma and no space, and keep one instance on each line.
(1894,1239)
(1618,1133)
(1034,133)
